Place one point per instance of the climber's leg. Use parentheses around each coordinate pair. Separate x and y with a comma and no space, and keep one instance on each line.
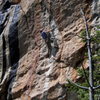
(48,47)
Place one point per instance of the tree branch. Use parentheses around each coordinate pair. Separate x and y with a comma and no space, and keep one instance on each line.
(97,87)
(86,76)
(82,87)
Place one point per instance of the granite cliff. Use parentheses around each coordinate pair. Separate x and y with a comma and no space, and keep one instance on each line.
(26,73)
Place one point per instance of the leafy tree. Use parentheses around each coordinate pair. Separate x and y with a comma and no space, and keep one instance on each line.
(95,44)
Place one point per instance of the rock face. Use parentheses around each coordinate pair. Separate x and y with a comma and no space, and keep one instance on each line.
(26,72)
(96,14)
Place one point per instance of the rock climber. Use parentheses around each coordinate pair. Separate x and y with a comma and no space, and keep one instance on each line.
(54,48)
(46,37)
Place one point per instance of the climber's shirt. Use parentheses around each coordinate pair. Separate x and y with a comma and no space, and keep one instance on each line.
(44,35)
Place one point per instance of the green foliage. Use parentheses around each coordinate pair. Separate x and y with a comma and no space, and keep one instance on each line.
(81,72)
(96,63)
(83,94)
(96,38)
(83,35)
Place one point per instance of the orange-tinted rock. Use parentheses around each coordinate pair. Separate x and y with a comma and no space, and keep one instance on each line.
(15,1)
(33,76)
